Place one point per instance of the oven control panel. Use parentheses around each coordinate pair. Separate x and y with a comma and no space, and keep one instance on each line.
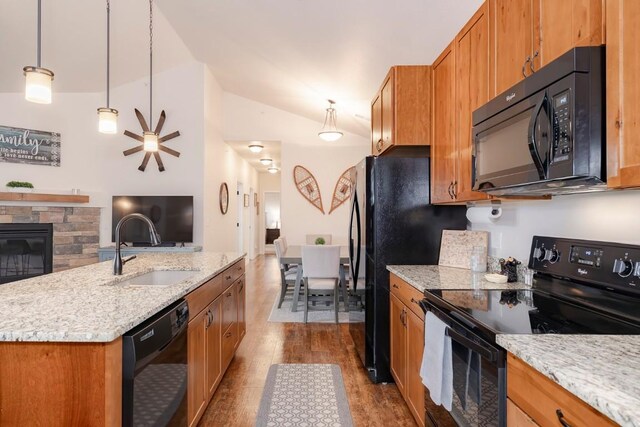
(612,265)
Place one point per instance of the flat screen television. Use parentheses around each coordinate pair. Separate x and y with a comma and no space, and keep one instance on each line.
(172,216)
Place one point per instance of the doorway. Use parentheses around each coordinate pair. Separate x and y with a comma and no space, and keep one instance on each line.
(271,219)
(240,219)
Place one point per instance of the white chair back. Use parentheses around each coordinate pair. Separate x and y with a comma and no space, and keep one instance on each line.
(283,240)
(279,250)
(321,261)
(311,238)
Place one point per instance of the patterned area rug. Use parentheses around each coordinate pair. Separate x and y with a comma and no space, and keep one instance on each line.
(304,395)
(285,315)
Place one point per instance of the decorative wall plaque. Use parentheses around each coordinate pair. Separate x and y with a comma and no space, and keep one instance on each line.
(342,191)
(308,186)
(27,146)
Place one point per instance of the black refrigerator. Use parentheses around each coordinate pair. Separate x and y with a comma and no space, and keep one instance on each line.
(391,222)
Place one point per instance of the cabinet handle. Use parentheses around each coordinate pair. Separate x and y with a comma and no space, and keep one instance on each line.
(227,277)
(415,302)
(524,66)
(450,191)
(208,319)
(229,294)
(227,335)
(454,189)
(395,286)
(379,145)
(561,418)
(241,287)
(531,64)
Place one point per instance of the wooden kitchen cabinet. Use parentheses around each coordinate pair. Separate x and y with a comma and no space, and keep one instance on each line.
(213,335)
(623,93)
(528,34)
(539,399)
(407,344)
(443,147)
(511,41)
(400,111)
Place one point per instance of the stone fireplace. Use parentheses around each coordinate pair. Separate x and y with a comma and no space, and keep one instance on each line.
(76,231)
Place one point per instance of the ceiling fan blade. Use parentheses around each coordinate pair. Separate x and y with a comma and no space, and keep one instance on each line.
(142,121)
(133,150)
(159,161)
(145,161)
(170,136)
(169,151)
(134,136)
(163,117)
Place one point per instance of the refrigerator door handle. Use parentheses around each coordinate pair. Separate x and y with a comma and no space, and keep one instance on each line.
(351,248)
(356,271)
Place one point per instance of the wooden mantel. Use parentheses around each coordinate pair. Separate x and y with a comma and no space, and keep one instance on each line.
(41,197)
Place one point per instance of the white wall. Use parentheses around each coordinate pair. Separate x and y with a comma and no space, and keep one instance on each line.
(249,120)
(269,182)
(611,216)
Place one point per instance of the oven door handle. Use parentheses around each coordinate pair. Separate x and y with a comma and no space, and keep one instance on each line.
(533,144)
(489,354)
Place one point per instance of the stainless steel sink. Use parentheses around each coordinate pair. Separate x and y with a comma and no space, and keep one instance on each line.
(159,278)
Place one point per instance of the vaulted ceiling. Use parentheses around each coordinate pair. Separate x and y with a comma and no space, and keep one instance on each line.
(290,54)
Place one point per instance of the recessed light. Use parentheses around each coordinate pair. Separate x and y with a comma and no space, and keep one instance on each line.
(255,148)
(273,169)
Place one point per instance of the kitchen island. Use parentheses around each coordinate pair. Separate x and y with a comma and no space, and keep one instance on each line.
(60,335)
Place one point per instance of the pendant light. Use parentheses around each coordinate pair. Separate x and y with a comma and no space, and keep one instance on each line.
(150,138)
(38,79)
(108,117)
(329,130)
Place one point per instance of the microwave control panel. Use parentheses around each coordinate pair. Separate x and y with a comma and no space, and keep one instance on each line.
(561,126)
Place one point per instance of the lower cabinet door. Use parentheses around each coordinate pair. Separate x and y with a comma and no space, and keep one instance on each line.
(398,343)
(516,417)
(197,395)
(242,324)
(229,339)
(214,347)
(414,389)
(229,307)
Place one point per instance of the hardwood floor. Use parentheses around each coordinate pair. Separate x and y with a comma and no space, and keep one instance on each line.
(237,399)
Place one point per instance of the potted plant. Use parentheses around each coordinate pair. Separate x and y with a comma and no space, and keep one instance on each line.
(320,241)
(19,186)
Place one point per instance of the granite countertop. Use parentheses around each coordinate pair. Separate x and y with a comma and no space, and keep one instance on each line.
(435,277)
(602,370)
(87,304)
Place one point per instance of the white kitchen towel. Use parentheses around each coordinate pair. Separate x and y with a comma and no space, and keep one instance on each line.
(437,364)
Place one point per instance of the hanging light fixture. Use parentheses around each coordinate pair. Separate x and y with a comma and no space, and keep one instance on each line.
(329,130)
(255,148)
(108,117)
(150,137)
(266,161)
(38,79)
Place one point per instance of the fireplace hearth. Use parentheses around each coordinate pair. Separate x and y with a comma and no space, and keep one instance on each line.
(26,250)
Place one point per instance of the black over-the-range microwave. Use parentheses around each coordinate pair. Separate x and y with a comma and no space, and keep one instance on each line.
(546,135)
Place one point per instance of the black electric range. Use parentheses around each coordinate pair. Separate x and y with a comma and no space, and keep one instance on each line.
(579,287)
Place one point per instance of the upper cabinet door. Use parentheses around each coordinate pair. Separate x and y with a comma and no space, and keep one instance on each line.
(387,112)
(623,93)
(443,140)
(376,125)
(472,91)
(563,25)
(511,41)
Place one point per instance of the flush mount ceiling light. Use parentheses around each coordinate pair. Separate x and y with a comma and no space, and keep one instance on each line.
(266,161)
(38,79)
(329,130)
(256,148)
(273,169)
(108,117)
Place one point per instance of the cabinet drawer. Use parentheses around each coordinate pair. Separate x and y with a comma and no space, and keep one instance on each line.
(229,307)
(201,297)
(540,398)
(229,338)
(232,273)
(406,293)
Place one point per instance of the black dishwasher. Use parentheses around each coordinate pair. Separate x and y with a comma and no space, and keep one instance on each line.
(154,370)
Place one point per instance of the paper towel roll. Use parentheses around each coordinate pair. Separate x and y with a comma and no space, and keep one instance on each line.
(483,214)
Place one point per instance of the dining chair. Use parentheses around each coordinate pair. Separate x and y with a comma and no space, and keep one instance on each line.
(311,238)
(321,275)
(288,276)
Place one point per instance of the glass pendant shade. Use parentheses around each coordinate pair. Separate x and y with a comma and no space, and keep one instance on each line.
(266,162)
(255,148)
(38,85)
(272,169)
(150,142)
(329,130)
(107,120)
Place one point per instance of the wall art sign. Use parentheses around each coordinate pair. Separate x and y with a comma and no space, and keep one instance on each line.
(28,146)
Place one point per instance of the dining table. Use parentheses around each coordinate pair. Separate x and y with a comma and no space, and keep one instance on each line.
(293,255)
